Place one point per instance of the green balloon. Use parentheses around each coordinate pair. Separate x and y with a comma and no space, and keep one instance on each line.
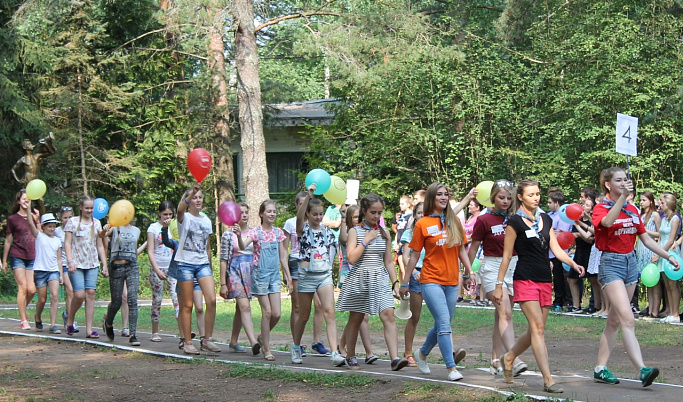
(650,275)
(476,264)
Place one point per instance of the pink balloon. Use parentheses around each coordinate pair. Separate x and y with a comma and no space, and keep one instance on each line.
(229,213)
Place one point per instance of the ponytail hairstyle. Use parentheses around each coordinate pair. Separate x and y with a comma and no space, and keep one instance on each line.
(313,202)
(520,190)
(81,202)
(349,215)
(263,206)
(607,175)
(164,205)
(453,228)
(17,198)
(497,188)
(670,201)
(365,203)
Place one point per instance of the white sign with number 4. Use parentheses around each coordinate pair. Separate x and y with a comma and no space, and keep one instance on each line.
(627,134)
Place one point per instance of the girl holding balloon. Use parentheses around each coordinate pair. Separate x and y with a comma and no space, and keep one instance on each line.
(159,261)
(529,233)
(317,248)
(489,230)
(83,247)
(644,256)
(269,256)
(617,225)
(21,250)
(236,278)
(667,231)
(194,262)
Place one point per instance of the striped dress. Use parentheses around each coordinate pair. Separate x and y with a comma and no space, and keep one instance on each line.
(366,288)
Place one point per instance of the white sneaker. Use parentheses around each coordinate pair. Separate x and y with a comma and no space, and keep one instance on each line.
(421,364)
(670,319)
(296,354)
(337,359)
(454,375)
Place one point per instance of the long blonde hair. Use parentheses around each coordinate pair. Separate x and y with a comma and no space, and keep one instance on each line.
(454,230)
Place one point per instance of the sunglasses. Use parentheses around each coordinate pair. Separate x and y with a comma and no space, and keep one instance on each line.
(66,209)
(504,183)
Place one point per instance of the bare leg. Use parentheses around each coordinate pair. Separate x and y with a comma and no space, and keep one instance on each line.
(198,301)
(69,292)
(237,323)
(53,287)
(411,325)
(673,296)
(317,319)
(305,300)
(576,296)
(40,304)
(390,331)
(209,291)
(76,303)
(22,295)
(294,297)
(245,314)
(185,314)
(351,332)
(89,310)
(620,314)
(365,335)
(595,288)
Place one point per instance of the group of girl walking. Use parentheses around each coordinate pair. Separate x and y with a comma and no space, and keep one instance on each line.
(515,237)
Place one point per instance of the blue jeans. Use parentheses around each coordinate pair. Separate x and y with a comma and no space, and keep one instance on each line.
(440,300)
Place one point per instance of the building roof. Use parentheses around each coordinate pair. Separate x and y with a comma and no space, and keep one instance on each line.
(314,112)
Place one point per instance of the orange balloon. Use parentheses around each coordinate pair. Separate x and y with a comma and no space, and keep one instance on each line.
(121,213)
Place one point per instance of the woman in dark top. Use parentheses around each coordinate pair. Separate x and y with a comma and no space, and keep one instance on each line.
(528,233)
(583,232)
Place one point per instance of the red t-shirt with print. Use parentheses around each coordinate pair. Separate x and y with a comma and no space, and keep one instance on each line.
(621,236)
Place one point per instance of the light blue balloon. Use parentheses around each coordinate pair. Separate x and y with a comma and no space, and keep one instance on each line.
(567,267)
(322,180)
(100,208)
(669,269)
(563,214)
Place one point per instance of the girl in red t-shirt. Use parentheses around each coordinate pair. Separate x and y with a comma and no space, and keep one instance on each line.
(617,225)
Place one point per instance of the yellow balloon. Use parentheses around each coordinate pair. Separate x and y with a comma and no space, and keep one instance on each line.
(337,191)
(173,228)
(121,213)
(484,194)
(35,189)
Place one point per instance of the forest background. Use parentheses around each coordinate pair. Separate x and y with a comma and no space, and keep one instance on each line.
(456,91)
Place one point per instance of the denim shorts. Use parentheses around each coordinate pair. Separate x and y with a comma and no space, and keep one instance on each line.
(265,282)
(190,272)
(618,267)
(15,263)
(414,285)
(65,269)
(294,268)
(41,278)
(309,282)
(84,278)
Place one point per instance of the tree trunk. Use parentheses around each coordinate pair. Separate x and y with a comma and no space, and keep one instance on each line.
(255,175)
(84,177)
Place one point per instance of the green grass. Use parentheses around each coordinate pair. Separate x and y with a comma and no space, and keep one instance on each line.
(415,391)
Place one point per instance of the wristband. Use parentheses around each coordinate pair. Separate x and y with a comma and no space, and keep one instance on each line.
(363,244)
(465,277)
(499,283)
(186,201)
(394,284)
(405,286)
(69,262)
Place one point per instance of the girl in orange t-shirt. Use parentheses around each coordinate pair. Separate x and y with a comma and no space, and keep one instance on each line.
(441,234)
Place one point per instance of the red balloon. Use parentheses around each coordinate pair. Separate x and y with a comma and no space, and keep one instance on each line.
(199,163)
(574,211)
(229,213)
(565,240)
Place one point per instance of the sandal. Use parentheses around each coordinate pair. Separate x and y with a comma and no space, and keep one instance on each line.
(156,337)
(411,361)
(269,356)
(93,335)
(495,368)
(507,373)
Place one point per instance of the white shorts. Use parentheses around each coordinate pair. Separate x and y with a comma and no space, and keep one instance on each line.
(489,274)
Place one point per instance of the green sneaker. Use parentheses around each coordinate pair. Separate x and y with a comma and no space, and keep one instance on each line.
(647,375)
(606,376)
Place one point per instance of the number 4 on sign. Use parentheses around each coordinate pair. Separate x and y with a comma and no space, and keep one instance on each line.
(627,134)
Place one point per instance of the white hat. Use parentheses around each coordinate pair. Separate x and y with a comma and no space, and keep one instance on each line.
(48,218)
(350,201)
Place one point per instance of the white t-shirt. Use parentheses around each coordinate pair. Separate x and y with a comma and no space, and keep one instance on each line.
(84,242)
(46,253)
(194,233)
(290,227)
(162,254)
(59,232)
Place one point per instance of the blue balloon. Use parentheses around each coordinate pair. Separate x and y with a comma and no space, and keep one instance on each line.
(563,214)
(100,208)
(322,180)
(567,267)
(669,269)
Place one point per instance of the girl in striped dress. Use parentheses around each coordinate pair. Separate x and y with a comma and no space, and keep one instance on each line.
(367,288)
